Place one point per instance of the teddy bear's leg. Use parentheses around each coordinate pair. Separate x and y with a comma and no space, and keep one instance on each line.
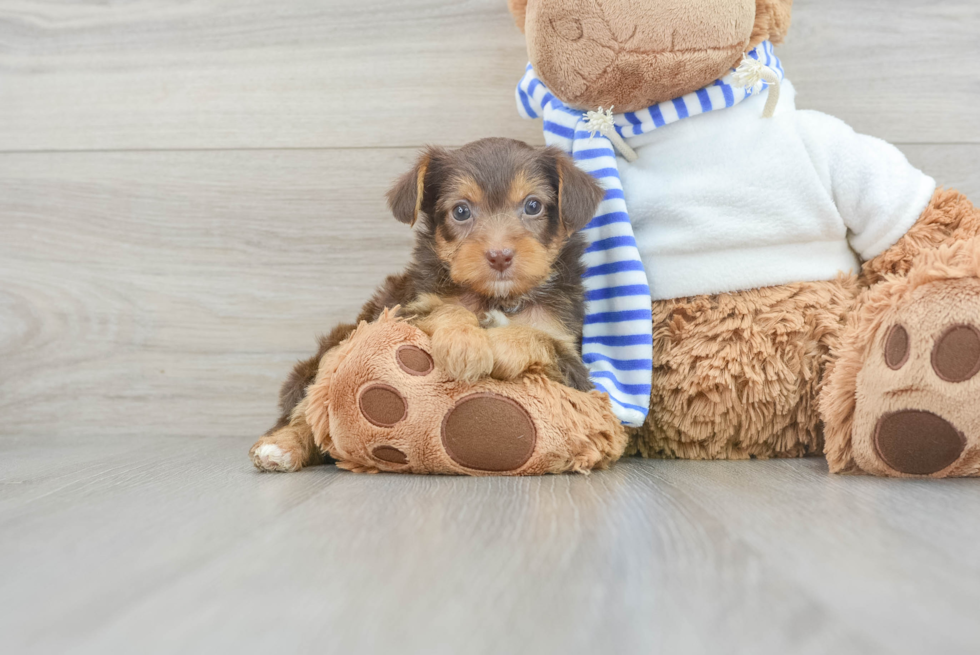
(736,375)
(900,399)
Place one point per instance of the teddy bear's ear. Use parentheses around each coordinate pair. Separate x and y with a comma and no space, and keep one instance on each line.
(519,9)
(772,19)
(405,198)
(578,192)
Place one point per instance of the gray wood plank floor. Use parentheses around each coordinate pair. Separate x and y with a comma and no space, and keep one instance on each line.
(189,191)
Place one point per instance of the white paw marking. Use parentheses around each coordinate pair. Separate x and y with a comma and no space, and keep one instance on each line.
(274,458)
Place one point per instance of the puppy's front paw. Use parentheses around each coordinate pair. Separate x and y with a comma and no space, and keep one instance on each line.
(463,352)
(518,351)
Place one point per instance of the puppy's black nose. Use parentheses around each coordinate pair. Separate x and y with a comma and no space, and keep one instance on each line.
(500,260)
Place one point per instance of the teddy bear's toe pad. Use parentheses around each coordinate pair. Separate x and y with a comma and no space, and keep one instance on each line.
(487,432)
(390,454)
(917,442)
(413,360)
(956,356)
(382,405)
(897,347)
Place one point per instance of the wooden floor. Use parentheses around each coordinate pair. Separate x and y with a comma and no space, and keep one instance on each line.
(189,191)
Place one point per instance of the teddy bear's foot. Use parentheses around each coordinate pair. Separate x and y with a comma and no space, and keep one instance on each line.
(481,431)
(916,388)
(917,412)
(391,407)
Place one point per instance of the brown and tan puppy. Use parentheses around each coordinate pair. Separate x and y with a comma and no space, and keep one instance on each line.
(495,279)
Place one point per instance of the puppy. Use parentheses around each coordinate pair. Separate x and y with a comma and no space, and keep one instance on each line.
(495,279)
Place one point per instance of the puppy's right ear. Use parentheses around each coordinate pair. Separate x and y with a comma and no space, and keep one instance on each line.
(406,197)
(519,9)
(579,194)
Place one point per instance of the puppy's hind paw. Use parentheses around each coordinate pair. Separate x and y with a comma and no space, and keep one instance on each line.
(270,457)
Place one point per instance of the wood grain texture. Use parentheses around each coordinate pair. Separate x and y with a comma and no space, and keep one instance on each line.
(240,74)
(379,73)
(902,70)
(174,290)
(179,546)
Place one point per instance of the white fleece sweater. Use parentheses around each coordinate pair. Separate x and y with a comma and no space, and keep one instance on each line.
(728,200)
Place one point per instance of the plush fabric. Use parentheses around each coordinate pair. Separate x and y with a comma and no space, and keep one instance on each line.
(772,20)
(616,346)
(736,374)
(941,290)
(790,197)
(950,217)
(739,375)
(376,406)
(893,353)
(636,54)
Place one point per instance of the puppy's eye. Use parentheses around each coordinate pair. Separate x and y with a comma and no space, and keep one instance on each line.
(461,212)
(532,207)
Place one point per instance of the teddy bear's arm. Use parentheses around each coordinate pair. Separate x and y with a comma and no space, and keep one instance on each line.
(949,217)
(877,192)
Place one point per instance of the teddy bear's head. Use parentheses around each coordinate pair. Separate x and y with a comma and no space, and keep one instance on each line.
(635,53)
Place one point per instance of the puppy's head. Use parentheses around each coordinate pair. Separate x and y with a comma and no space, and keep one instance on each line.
(496,212)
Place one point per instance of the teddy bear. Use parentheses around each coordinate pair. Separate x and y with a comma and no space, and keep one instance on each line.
(811,291)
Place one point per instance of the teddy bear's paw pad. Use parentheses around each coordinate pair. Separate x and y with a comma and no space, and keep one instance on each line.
(390,455)
(487,432)
(897,347)
(917,442)
(956,355)
(413,360)
(270,457)
(916,413)
(382,405)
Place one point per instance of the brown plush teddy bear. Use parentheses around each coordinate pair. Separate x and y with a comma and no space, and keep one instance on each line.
(811,290)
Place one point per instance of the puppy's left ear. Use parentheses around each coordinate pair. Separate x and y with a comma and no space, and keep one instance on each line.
(407,196)
(579,194)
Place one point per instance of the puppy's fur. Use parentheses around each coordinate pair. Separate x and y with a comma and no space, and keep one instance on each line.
(495,279)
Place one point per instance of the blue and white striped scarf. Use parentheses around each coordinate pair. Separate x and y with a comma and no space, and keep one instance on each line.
(617,341)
